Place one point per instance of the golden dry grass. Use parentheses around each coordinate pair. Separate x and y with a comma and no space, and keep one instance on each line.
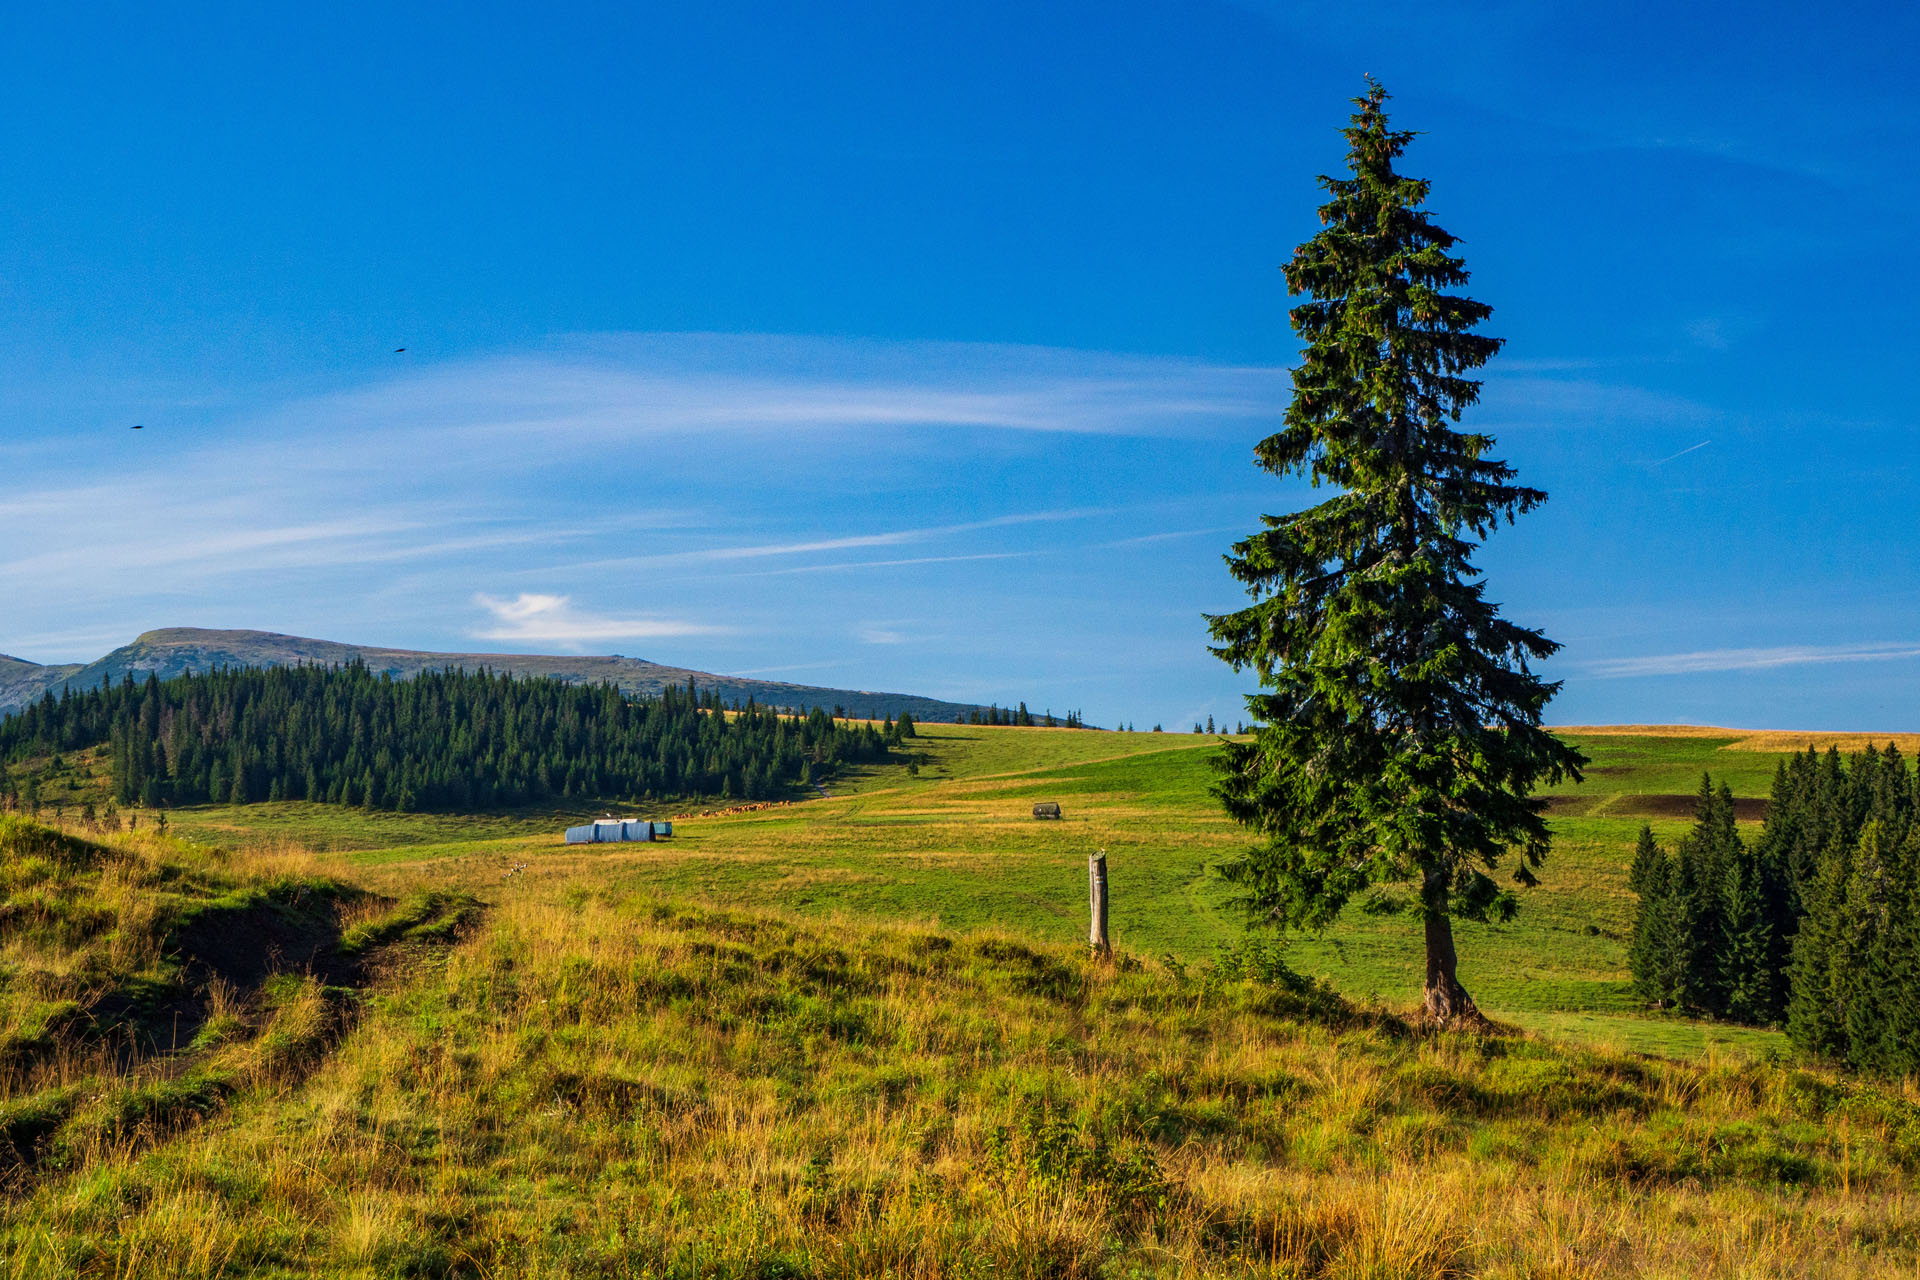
(1764,740)
(615,1086)
(601,1080)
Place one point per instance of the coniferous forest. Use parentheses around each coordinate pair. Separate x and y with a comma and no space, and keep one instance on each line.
(448,740)
(998,715)
(1816,924)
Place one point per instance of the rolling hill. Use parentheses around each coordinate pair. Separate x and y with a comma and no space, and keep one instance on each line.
(175,651)
(957,844)
(587,1067)
(22,681)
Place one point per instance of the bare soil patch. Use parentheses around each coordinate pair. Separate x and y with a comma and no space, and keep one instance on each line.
(1745,808)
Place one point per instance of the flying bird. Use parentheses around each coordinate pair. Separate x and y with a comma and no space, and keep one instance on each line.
(137,426)
(398,350)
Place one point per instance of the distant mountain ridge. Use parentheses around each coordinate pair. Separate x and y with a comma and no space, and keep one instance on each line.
(174,651)
(21,681)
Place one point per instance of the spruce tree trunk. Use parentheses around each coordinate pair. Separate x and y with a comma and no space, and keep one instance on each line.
(1446,1000)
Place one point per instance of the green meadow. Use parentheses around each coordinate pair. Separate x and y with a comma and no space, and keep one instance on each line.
(861,1035)
(956,848)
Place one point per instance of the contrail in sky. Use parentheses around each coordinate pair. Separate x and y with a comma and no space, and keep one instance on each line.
(1683,453)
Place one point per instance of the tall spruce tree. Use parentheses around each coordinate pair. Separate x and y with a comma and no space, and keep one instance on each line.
(1858,937)
(1399,736)
(1747,979)
(1891,1046)
(1700,901)
(1651,879)
(1815,1022)
(1786,855)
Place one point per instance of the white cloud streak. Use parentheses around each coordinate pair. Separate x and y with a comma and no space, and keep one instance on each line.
(473,466)
(842,565)
(623,388)
(1150,538)
(789,667)
(885,538)
(1550,402)
(1705,660)
(125,537)
(442,465)
(536,618)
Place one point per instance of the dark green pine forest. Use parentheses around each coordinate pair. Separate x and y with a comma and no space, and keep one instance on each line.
(1814,925)
(446,740)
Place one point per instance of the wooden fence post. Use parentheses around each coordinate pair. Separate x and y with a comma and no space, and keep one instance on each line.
(1097,905)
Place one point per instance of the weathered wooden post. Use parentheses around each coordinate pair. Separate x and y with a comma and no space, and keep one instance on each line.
(1097,905)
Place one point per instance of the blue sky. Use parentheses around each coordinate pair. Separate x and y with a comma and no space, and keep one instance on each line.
(923,347)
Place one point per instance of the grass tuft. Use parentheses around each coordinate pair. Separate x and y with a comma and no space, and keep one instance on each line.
(429,916)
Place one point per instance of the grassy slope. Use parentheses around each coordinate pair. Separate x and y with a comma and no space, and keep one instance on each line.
(957,848)
(143,982)
(609,1085)
(603,1081)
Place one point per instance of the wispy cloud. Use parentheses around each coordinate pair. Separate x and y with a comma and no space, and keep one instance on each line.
(881,538)
(787,667)
(1704,660)
(1533,401)
(123,537)
(503,461)
(1148,539)
(624,485)
(842,565)
(622,388)
(551,619)
(71,645)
